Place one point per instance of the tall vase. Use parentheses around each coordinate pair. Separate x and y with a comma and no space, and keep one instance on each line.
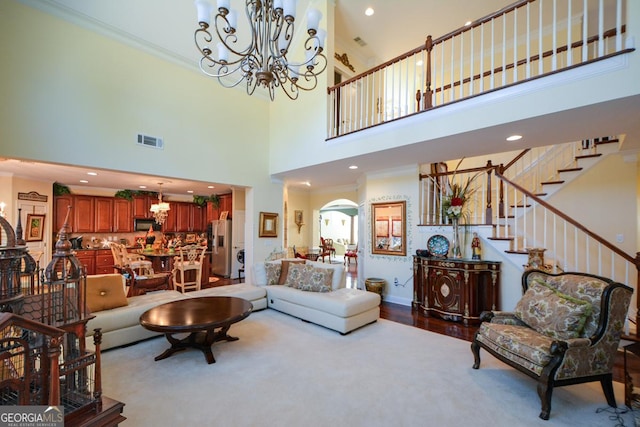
(455,243)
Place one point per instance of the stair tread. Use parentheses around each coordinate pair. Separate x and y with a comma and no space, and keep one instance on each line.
(552,182)
(587,156)
(540,194)
(509,251)
(569,170)
(499,238)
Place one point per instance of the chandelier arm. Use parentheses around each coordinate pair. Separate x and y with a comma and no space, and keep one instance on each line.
(293,92)
(228,36)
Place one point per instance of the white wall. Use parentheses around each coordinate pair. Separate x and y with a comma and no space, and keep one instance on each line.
(76,97)
(390,186)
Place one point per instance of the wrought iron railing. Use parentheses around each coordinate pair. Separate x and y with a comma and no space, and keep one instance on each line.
(524,41)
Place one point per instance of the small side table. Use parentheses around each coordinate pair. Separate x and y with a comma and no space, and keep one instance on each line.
(631,346)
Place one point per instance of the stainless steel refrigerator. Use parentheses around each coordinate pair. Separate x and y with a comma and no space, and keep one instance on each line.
(220,246)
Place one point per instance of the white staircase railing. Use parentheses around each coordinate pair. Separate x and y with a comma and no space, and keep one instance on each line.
(509,199)
(532,223)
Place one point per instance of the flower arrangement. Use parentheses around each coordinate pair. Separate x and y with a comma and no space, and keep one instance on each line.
(457,194)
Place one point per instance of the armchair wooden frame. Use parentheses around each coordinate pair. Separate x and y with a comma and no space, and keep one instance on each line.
(567,359)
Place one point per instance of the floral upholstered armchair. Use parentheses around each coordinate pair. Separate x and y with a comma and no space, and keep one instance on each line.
(565,330)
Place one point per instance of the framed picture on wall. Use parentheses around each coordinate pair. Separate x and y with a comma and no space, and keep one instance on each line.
(35,227)
(268,224)
(224,215)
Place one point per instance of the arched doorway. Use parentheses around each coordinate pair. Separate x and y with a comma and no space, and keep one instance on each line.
(338,220)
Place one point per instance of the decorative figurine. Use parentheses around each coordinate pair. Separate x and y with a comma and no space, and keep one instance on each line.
(475,247)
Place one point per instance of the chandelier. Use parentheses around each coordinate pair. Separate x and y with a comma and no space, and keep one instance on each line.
(263,62)
(161,209)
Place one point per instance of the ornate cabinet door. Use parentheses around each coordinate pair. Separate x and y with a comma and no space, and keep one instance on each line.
(456,289)
(445,292)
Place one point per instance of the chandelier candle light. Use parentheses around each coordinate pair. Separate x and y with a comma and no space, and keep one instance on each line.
(161,209)
(263,62)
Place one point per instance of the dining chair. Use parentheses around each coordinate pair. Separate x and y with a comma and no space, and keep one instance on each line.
(136,262)
(349,254)
(190,258)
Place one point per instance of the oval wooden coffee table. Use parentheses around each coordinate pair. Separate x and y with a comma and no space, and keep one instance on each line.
(200,317)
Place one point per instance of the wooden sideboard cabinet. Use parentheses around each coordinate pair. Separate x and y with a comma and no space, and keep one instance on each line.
(456,289)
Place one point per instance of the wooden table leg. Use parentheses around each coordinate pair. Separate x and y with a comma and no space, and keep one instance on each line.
(202,341)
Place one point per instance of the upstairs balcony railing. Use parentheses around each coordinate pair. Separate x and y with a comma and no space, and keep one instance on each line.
(524,41)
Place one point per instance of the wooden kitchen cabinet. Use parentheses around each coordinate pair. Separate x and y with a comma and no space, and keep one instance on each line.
(103,208)
(456,289)
(170,224)
(198,218)
(141,206)
(61,204)
(88,259)
(226,204)
(183,216)
(122,220)
(104,261)
(83,214)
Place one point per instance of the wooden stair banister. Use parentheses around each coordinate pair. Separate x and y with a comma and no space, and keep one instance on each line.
(635,261)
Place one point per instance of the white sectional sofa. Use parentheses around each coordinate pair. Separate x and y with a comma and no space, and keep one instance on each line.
(342,309)
(119,317)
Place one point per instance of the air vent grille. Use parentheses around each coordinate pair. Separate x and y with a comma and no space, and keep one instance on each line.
(150,141)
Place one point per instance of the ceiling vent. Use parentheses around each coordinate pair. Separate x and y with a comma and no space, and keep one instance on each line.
(150,141)
(360,42)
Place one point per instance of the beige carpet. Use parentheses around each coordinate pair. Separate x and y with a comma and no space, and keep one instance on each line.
(285,372)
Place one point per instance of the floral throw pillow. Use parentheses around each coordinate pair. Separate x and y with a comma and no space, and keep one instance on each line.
(552,313)
(296,275)
(273,272)
(317,279)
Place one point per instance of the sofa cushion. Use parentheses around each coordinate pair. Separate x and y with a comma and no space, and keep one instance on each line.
(284,271)
(273,271)
(240,290)
(260,272)
(317,279)
(129,315)
(345,302)
(296,276)
(551,312)
(105,291)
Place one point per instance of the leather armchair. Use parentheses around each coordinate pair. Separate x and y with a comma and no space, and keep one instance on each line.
(565,330)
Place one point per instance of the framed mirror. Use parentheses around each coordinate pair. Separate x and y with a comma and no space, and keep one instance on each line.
(388,228)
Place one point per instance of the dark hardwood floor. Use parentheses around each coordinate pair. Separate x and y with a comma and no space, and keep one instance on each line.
(405,315)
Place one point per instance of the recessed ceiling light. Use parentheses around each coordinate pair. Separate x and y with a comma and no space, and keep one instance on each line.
(514,137)
(211,186)
(142,186)
(190,191)
(369,11)
(92,173)
(84,181)
(353,167)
